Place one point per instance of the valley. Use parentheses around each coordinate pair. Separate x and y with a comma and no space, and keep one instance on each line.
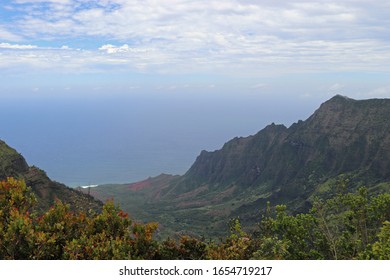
(345,140)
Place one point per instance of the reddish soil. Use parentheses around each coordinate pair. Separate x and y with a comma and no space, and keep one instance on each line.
(140,185)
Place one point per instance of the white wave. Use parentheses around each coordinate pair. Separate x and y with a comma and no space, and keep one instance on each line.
(88,186)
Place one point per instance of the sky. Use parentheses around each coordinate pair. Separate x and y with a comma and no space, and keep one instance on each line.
(305,49)
(91,86)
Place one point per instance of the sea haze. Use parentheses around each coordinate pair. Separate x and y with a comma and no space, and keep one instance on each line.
(120,139)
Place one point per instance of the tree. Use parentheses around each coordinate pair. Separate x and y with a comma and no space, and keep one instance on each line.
(346,226)
(16,225)
(381,248)
(60,233)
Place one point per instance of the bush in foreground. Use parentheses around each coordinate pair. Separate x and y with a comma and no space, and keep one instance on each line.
(347,226)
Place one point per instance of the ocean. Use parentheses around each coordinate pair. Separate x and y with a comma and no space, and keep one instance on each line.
(126,138)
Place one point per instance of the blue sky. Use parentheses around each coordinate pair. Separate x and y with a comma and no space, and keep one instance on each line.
(305,49)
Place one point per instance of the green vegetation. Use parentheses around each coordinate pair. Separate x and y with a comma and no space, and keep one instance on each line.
(316,168)
(289,166)
(346,226)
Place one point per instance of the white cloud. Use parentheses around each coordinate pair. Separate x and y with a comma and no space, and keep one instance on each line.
(16,46)
(146,20)
(43,1)
(381,92)
(111,49)
(336,87)
(8,36)
(25,57)
(241,36)
(259,86)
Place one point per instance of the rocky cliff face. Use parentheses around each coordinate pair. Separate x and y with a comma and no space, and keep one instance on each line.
(287,165)
(12,164)
(343,135)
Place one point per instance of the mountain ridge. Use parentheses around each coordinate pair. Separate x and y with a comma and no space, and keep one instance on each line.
(13,164)
(322,136)
(343,138)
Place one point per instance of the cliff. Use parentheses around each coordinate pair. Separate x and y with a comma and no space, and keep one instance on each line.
(12,164)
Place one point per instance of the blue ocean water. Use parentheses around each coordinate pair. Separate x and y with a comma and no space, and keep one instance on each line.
(121,139)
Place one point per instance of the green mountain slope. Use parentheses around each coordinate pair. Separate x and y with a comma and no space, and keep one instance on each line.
(343,135)
(12,164)
(278,164)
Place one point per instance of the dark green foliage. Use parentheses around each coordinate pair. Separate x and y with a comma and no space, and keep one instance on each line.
(346,226)
(343,227)
(62,234)
(188,248)
(381,248)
